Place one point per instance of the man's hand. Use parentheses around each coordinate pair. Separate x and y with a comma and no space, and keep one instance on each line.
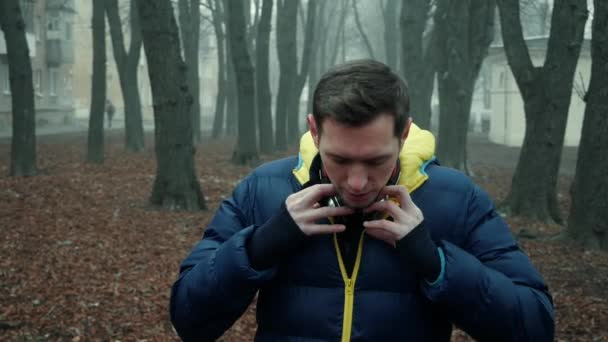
(406,216)
(304,208)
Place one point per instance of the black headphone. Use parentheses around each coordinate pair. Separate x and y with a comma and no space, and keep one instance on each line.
(336,201)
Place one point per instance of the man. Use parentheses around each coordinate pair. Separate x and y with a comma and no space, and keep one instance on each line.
(363,237)
(110,112)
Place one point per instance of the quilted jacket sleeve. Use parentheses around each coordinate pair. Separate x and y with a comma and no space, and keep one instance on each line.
(216,282)
(490,288)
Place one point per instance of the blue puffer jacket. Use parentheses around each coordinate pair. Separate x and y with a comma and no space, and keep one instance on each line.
(487,286)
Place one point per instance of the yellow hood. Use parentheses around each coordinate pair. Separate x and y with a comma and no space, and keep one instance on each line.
(418,150)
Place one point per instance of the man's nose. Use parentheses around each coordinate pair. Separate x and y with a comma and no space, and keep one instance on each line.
(357,179)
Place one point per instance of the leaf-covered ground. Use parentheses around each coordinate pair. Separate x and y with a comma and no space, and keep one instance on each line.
(84,257)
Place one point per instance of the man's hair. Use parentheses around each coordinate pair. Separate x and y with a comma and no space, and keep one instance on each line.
(356,92)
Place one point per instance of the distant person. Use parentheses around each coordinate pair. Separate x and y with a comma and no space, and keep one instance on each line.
(110,109)
(363,236)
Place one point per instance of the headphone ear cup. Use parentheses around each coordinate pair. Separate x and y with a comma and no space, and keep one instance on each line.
(395,175)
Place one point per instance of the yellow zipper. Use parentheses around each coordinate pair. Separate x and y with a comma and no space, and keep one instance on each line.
(349,287)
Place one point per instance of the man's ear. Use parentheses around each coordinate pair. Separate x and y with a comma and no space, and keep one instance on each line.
(406,131)
(312,124)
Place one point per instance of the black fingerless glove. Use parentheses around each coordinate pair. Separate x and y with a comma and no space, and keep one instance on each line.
(273,240)
(418,251)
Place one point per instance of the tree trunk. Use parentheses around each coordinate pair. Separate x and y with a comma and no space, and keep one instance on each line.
(95,152)
(416,66)
(293,136)
(189,23)
(176,186)
(588,220)
(288,63)
(246,150)
(319,53)
(464,32)
(546,92)
(23,143)
(232,101)
(391,33)
(127,66)
(262,79)
(220,100)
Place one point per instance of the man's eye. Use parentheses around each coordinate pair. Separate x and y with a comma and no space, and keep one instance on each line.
(376,162)
(340,161)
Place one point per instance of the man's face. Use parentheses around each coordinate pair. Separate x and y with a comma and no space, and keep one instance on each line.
(358,160)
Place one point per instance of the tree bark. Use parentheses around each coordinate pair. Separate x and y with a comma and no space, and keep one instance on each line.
(264,96)
(95,151)
(176,186)
(588,220)
(23,142)
(127,65)
(417,65)
(220,100)
(232,101)
(293,132)
(464,32)
(189,23)
(546,92)
(246,151)
(288,63)
(391,33)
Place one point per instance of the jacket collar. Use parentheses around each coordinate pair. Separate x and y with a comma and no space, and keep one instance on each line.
(417,152)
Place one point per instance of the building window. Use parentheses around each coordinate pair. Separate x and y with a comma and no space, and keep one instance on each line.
(38,28)
(53,81)
(501,81)
(5,84)
(52,23)
(38,82)
(68,31)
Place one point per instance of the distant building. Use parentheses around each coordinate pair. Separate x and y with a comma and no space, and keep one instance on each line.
(507,118)
(49,33)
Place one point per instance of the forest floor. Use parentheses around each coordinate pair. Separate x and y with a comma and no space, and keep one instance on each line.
(84,257)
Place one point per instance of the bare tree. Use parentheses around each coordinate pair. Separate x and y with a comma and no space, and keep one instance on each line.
(264,97)
(127,64)
(246,150)
(417,59)
(588,219)
(464,31)
(301,76)
(391,31)
(318,55)
(95,151)
(176,186)
(287,15)
(217,17)
(190,25)
(546,92)
(23,141)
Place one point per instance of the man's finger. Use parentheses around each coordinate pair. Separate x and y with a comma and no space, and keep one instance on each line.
(400,192)
(387,206)
(325,212)
(326,228)
(316,192)
(385,225)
